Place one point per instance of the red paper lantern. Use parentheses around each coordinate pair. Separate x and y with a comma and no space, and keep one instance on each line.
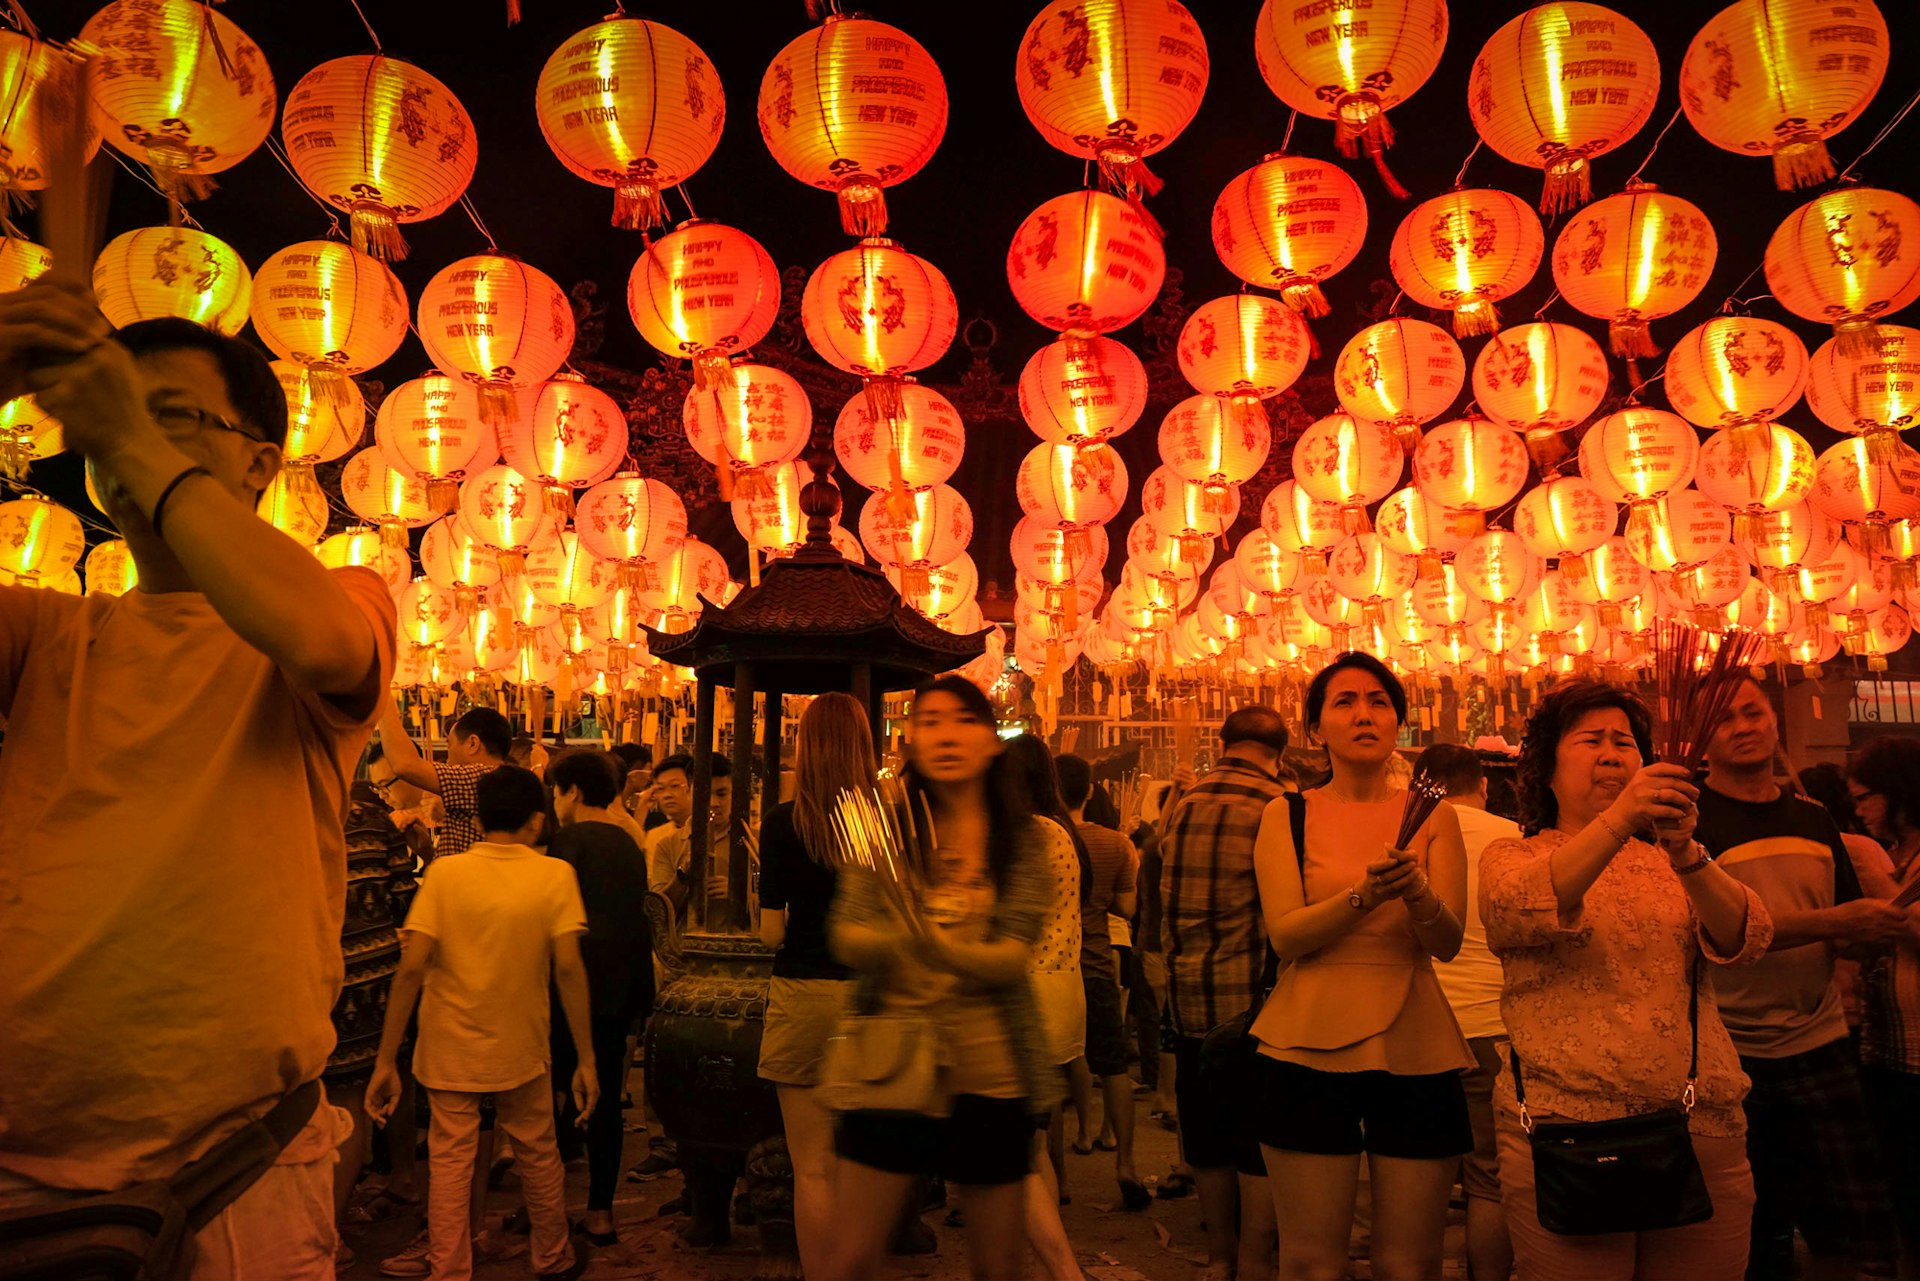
(1071,488)
(1113,81)
(1561,84)
(851,107)
(1265,567)
(1288,223)
(1749,478)
(1851,486)
(503,511)
(27,65)
(173,271)
(330,309)
(391,500)
(1046,553)
(1086,262)
(1687,529)
(1204,438)
(362,545)
(1464,251)
(498,323)
(1497,568)
(878,311)
(936,529)
(1399,373)
(382,141)
(704,292)
(1082,391)
(1838,260)
(1414,525)
(1300,523)
(1632,258)
(574,436)
(1341,459)
(1324,63)
(452,557)
(1565,518)
(950,587)
(1541,379)
(917,449)
(636,522)
(1364,569)
(1186,511)
(1470,464)
(769,516)
(1736,371)
(759,419)
(430,427)
(1243,345)
(1781,541)
(178,87)
(1762,78)
(1872,393)
(1638,454)
(632,105)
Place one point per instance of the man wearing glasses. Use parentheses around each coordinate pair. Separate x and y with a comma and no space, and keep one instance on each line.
(171,956)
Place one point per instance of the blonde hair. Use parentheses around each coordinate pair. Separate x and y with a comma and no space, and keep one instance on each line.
(833,751)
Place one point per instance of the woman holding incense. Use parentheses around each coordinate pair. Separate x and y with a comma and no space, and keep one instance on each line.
(942,949)
(1601,918)
(1358,1049)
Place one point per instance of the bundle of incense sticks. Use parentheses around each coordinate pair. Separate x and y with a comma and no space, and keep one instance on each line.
(1424,794)
(1696,675)
(73,207)
(875,830)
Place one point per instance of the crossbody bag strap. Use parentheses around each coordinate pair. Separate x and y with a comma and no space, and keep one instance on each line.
(1693,1025)
(210,1184)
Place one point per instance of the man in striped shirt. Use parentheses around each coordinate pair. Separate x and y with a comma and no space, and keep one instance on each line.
(1216,959)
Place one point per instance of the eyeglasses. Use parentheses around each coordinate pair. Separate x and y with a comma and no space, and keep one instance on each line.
(184,420)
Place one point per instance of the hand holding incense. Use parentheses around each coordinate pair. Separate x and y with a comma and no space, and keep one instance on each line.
(1696,674)
(876,832)
(1424,794)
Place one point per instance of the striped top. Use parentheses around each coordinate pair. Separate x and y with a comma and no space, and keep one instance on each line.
(1891,1036)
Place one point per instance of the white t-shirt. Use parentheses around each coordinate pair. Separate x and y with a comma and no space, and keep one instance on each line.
(493,914)
(1472,979)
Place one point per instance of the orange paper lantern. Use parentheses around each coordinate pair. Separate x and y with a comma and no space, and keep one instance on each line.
(853,106)
(172,271)
(1735,371)
(1497,568)
(685,581)
(1749,477)
(31,79)
(1326,62)
(950,587)
(1687,529)
(1541,379)
(1399,373)
(1414,525)
(1341,459)
(917,449)
(1071,488)
(1632,258)
(1113,81)
(1204,438)
(452,557)
(498,323)
(1086,262)
(502,510)
(934,531)
(428,612)
(430,428)
(563,573)
(1288,223)
(27,432)
(110,569)
(329,309)
(391,500)
(758,420)
(704,292)
(769,516)
(1364,569)
(1245,346)
(39,540)
(295,507)
(633,105)
(575,435)
(1470,464)
(20,260)
(362,545)
(1638,456)
(1464,251)
(1613,579)
(382,141)
(1300,523)
(1558,85)
(1781,541)
(1872,392)
(1838,260)
(1046,553)
(1265,567)
(1186,511)
(1769,77)
(1565,518)
(1850,485)
(633,521)
(1082,391)
(878,311)
(177,86)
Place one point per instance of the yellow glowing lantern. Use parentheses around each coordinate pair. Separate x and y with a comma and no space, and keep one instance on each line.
(362,545)
(933,532)
(503,511)
(172,271)
(1633,258)
(769,517)
(916,449)
(1070,488)
(1086,262)
(684,581)
(31,72)
(1081,391)
(1187,512)
(178,87)
(1613,579)
(320,427)
(21,260)
(758,419)
(430,428)
(1779,542)
(1341,459)
(1853,487)
(1265,567)
(1411,523)
(1047,555)
(1322,62)
(1203,439)
(1497,568)
(428,613)
(1873,392)
(954,585)
(452,557)
(633,105)
(1565,518)
(1470,464)
(1464,251)
(1749,479)
(498,323)
(296,509)
(393,501)
(1557,86)
(1780,77)
(330,310)
(1113,81)
(1736,372)
(563,573)
(852,107)
(1399,373)
(1687,529)
(1364,569)
(27,432)
(880,312)
(1289,223)
(383,142)
(634,521)
(574,436)
(1637,456)
(1300,523)
(1839,260)
(704,292)
(110,569)
(39,540)
(1541,379)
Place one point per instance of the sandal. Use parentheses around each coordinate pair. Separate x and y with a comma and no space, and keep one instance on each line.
(1176,1185)
(1082,1150)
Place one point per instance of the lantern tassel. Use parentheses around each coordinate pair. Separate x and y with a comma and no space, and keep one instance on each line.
(863,207)
(638,206)
(1474,317)
(1431,566)
(1374,133)
(330,385)
(393,533)
(559,501)
(375,232)
(1548,449)
(512,564)
(883,403)
(1574,569)
(712,370)
(442,493)
(1408,434)
(1883,447)
(1568,184)
(1305,297)
(498,405)
(723,481)
(1802,162)
(1628,336)
(1857,337)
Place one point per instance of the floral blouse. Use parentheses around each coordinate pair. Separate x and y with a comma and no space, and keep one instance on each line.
(1597,1004)
(1059,945)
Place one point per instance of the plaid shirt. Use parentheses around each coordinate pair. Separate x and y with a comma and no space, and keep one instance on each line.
(460,798)
(1216,946)
(1892,1033)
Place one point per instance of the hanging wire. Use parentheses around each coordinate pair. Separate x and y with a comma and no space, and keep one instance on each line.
(474,214)
(1635,176)
(1551,299)
(18,17)
(279,154)
(685,199)
(1461,177)
(371,33)
(148,183)
(1293,118)
(1880,137)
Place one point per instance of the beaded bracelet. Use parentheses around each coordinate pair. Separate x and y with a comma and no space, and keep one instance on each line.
(1619,836)
(160,506)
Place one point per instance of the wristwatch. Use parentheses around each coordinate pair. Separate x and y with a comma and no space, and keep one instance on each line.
(1354,900)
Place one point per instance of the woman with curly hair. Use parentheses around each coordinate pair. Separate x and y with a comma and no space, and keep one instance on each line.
(1601,916)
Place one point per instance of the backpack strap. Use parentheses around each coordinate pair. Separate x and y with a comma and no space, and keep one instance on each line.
(1297,823)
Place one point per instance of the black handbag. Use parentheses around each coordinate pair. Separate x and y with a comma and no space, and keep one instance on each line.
(1632,1174)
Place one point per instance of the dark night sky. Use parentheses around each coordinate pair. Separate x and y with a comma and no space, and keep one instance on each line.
(991,170)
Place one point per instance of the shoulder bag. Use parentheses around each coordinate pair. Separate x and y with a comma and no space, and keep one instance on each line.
(1631,1174)
(1230,1047)
(145,1232)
